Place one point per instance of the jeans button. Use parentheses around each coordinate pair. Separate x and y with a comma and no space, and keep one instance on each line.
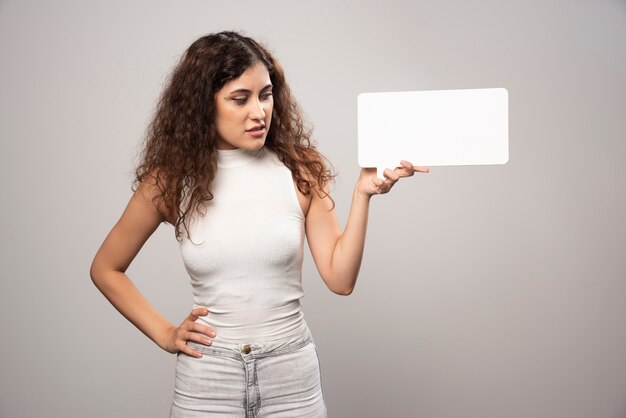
(245,349)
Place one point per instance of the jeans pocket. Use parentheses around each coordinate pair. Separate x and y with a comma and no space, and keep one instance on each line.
(212,381)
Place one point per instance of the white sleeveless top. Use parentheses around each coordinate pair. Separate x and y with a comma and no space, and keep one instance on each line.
(244,257)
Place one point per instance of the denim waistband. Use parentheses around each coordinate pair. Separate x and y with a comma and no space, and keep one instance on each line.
(253,349)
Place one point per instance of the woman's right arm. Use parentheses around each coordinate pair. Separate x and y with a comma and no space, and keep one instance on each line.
(139,220)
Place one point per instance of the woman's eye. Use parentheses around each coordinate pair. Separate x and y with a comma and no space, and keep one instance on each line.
(242,100)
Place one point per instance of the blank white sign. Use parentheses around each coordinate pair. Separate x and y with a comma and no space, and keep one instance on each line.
(433,128)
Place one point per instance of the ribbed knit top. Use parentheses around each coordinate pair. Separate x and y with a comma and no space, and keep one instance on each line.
(245,254)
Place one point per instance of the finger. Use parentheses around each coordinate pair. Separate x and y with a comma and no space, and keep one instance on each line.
(202,329)
(191,352)
(413,168)
(384,186)
(182,347)
(406,169)
(186,336)
(196,312)
(406,164)
(391,175)
(199,338)
(200,311)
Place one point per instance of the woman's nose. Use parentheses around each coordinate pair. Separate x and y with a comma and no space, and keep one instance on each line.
(257,111)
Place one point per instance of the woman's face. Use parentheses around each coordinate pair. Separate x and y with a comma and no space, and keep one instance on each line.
(243,110)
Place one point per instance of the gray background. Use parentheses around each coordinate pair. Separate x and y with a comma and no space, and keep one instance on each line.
(488,291)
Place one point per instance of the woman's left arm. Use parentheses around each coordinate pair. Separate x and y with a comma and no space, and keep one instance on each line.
(337,255)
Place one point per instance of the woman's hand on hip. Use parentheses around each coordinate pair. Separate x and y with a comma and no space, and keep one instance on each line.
(369,184)
(177,337)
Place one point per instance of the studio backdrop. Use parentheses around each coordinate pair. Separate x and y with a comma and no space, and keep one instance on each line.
(485,291)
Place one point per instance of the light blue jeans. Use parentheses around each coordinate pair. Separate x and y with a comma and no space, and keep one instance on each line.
(275,379)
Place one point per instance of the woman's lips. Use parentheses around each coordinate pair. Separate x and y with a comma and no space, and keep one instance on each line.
(257,132)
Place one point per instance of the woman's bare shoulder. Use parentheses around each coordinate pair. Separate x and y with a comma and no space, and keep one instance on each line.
(140,219)
(150,195)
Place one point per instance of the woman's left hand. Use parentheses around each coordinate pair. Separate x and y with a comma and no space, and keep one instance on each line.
(369,184)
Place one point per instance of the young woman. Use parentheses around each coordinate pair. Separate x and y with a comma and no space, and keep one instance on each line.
(229,164)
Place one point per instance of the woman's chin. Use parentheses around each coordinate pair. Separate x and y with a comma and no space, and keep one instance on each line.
(254,144)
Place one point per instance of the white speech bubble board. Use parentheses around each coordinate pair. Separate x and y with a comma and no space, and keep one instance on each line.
(433,128)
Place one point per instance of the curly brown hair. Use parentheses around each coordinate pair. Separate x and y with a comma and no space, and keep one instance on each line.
(179,149)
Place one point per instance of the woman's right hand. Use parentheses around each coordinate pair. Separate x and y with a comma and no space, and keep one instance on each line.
(177,337)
